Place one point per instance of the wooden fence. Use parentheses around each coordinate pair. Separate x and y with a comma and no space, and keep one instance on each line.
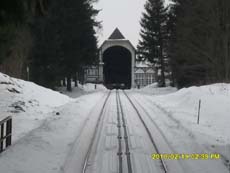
(5,133)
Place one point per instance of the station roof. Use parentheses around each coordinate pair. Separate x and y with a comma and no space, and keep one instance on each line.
(116,35)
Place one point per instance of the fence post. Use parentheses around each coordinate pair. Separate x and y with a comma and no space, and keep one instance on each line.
(2,135)
(8,132)
(198,117)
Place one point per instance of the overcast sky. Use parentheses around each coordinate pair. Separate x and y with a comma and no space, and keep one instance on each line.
(123,14)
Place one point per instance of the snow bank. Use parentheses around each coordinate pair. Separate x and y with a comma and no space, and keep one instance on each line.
(213,130)
(50,147)
(82,89)
(91,87)
(153,89)
(27,103)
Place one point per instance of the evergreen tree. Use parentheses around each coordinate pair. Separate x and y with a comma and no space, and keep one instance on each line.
(187,66)
(66,41)
(77,36)
(200,42)
(14,37)
(171,25)
(45,65)
(153,43)
(11,14)
(11,11)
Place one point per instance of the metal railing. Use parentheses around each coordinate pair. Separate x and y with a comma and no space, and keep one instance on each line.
(5,133)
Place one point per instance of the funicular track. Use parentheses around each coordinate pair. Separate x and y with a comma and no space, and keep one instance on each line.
(163,165)
(174,165)
(122,120)
(95,133)
(124,153)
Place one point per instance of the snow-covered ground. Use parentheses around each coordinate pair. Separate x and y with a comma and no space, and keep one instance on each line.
(153,89)
(52,132)
(28,104)
(46,125)
(181,107)
(49,147)
(87,88)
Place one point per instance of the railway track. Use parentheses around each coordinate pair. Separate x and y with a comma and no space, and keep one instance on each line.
(121,117)
(95,133)
(163,165)
(123,157)
(160,142)
(173,166)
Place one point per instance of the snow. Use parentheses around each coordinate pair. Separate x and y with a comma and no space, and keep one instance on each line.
(46,125)
(181,107)
(153,89)
(140,64)
(52,132)
(28,103)
(214,115)
(50,147)
(89,87)
(82,89)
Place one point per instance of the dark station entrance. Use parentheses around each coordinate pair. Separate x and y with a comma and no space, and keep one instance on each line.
(117,67)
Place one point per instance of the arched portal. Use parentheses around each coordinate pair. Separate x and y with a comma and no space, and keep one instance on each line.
(117,61)
(117,66)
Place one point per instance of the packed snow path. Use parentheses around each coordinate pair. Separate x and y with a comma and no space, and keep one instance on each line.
(107,132)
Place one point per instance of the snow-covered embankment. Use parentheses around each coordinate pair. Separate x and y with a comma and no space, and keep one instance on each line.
(213,130)
(28,103)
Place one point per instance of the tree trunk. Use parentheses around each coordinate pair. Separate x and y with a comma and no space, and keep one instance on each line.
(226,38)
(162,66)
(172,79)
(64,82)
(68,87)
(75,80)
(226,58)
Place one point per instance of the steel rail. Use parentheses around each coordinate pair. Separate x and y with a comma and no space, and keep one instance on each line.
(126,138)
(148,132)
(94,134)
(119,137)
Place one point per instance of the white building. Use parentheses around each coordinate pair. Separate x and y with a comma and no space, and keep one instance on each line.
(117,65)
